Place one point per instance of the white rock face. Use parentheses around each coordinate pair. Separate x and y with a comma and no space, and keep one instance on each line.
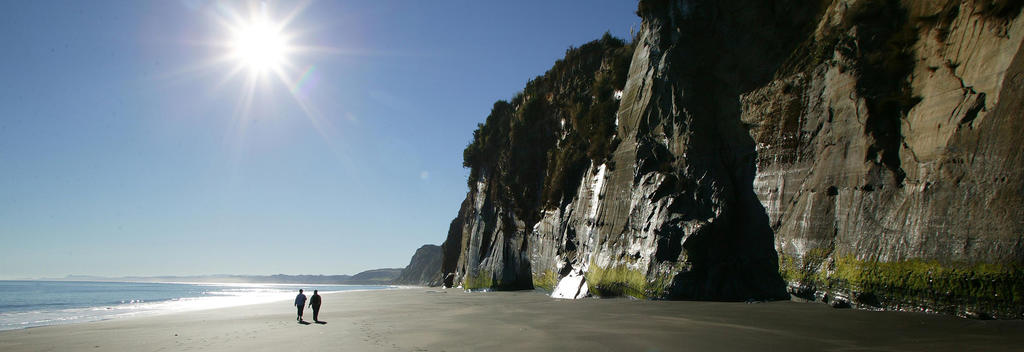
(572,286)
(597,187)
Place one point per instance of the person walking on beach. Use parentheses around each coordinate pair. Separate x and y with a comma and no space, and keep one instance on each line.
(314,302)
(300,302)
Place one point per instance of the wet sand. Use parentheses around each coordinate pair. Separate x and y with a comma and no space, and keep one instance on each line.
(431,319)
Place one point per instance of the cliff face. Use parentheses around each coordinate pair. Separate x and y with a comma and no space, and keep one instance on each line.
(854,152)
(531,155)
(888,164)
(424,268)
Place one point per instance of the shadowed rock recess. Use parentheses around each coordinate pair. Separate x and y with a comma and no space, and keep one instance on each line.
(854,152)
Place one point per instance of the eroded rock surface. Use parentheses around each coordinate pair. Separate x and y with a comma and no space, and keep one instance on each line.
(927,214)
(856,152)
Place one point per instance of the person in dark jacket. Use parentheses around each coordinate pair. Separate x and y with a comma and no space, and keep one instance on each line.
(314,302)
(300,302)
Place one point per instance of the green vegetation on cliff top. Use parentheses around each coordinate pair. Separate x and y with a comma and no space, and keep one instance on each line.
(534,149)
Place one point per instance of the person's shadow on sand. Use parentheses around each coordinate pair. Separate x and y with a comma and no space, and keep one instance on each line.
(321,322)
(303,322)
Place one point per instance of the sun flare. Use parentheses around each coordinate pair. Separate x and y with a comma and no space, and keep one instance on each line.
(260,45)
(268,51)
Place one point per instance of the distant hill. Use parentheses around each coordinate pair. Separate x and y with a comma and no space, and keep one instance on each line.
(369,277)
(424,268)
(376,276)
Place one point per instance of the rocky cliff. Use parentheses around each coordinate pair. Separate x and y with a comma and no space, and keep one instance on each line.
(424,268)
(887,157)
(851,151)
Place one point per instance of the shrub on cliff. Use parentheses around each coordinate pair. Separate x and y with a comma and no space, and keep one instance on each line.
(534,149)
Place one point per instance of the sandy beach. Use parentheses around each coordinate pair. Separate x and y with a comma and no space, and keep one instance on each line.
(432,319)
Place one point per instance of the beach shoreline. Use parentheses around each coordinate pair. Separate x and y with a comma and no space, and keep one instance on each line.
(30,304)
(435,319)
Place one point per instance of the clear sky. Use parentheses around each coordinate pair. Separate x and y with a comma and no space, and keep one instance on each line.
(136,140)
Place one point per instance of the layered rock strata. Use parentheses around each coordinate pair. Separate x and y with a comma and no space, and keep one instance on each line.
(890,166)
(856,152)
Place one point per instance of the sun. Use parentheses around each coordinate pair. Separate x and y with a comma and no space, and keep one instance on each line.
(259,44)
(269,54)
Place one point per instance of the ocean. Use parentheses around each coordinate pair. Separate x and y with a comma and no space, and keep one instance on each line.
(25,304)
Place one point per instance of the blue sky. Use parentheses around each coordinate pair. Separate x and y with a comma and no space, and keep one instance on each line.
(125,149)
